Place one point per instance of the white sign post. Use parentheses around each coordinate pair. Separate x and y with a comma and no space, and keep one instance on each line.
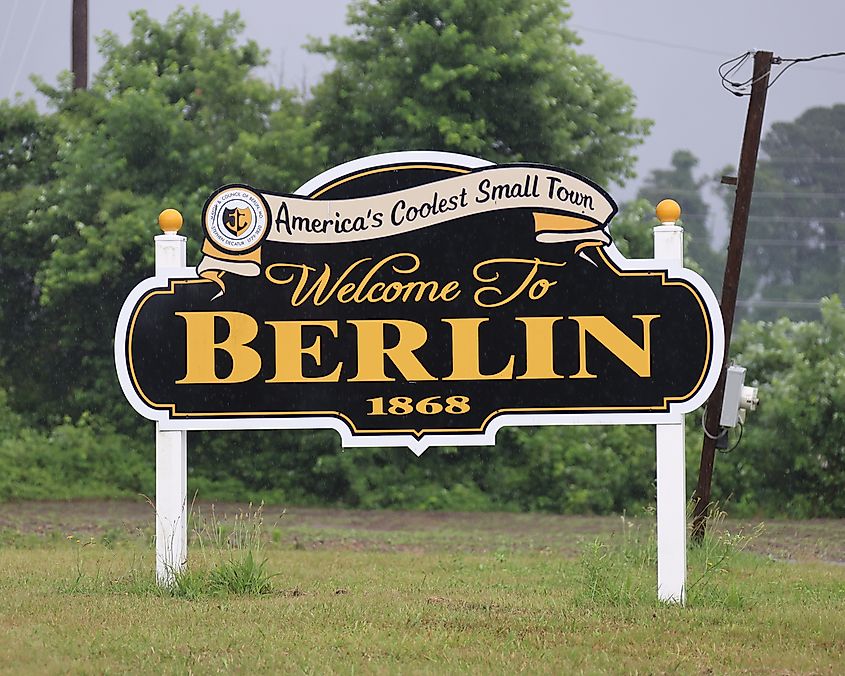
(171,500)
(671,472)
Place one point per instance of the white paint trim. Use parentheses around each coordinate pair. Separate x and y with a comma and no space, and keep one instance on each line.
(120,335)
(671,513)
(171,506)
(671,453)
(384,159)
(171,497)
(676,270)
(418,446)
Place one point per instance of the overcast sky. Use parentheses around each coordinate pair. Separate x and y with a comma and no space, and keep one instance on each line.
(667,51)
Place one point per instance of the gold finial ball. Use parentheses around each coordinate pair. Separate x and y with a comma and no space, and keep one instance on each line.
(668,211)
(170,221)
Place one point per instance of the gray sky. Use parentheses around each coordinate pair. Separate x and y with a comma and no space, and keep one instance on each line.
(666,50)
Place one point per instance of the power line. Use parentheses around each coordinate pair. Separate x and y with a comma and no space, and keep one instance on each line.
(779,303)
(797,219)
(795,242)
(680,47)
(803,59)
(757,193)
(728,68)
(649,41)
(803,160)
(725,72)
(808,194)
(780,219)
(10,20)
(26,49)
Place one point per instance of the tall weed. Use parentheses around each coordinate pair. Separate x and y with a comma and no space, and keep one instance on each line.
(622,572)
(230,560)
(710,560)
(226,559)
(619,573)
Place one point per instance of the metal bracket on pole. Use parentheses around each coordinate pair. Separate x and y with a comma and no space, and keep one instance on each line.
(171,503)
(671,470)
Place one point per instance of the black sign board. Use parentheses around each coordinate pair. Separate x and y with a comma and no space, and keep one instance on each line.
(417,299)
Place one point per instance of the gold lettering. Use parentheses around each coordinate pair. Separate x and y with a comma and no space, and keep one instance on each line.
(465,352)
(289,352)
(412,267)
(392,292)
(372,351)
(636,358)
(321,289)
(420,287)
(500,297)
(346,292)
(372,291)
(201,347)
(539,348)
(451,290)
(318,289)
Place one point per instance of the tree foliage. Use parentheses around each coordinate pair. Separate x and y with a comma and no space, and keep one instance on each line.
(680,183)
(177,111)
(173,113)
(791,459)
(632,229)
(796,249)
(500,80)
(27,146)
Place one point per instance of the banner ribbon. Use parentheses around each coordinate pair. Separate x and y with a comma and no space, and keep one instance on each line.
(566,208)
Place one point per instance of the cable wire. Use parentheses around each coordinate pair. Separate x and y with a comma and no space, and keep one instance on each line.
(26,49)
(731,66)
(649,41)
(735,64)
(704,426)
(10,21)
(779,303)
(795,242)
(725,451)
(761,193)
(779,219)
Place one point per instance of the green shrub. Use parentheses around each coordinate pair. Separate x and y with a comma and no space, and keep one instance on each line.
(791,460)
(82,459)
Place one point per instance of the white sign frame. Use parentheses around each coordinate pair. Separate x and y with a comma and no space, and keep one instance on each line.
(171,435)
(418,445)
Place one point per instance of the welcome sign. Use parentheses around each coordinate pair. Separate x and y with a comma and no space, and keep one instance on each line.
(417,299)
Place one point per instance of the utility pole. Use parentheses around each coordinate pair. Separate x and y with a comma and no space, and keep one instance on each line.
(79,44)
(730,285)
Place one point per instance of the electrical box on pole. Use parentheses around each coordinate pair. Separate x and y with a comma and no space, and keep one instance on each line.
(738,398)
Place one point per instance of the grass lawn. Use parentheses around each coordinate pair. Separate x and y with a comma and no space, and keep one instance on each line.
(386,592)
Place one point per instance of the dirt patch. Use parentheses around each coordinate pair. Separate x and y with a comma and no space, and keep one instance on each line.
(807,540)
(393,530)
